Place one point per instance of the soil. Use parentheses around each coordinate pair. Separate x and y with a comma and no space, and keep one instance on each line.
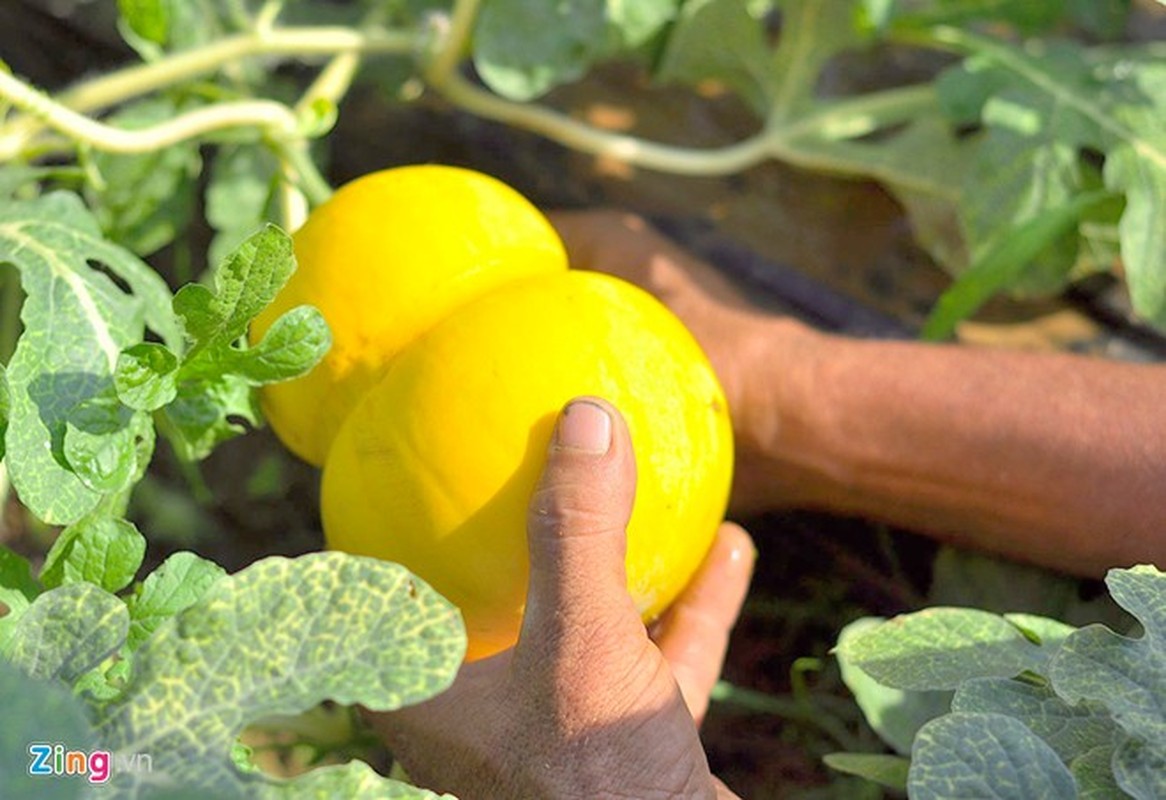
(838,252)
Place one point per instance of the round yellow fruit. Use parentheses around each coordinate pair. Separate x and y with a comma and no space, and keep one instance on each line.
(435,467)
(387,257)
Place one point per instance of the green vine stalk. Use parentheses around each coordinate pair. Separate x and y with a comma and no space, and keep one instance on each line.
(440,46)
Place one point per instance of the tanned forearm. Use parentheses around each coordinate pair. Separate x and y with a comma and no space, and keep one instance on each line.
(1050,458)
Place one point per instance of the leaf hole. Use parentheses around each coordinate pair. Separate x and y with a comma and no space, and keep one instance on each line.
(13,296)
(285,747)
(117,280)
(241,421)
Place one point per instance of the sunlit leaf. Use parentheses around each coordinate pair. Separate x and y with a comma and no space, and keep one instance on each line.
(988,756)
(522,48)
(102,551)
(82,319)
(68,631)
(279,637)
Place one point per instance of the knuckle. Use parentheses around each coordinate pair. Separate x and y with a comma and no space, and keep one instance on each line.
(569,511)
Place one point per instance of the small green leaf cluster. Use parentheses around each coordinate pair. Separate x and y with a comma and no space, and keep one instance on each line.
(165,678)
(85,390)
(1014,706)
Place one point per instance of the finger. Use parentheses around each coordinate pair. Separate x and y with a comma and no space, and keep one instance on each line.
(576,529)
(694,633)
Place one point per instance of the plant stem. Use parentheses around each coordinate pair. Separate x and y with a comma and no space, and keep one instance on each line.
(789,709)
(581,136)
(265,19)
(793,143)
(332,83)
(307,175)
(125,84)
(266,114)
(454,41)
(293,204)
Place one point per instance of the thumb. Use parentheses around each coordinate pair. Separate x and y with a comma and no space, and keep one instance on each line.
(576,530)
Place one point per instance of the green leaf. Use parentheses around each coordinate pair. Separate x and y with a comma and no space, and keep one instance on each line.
(1043,105)
(986,756)
(894,714)
(279,637)
(195,22)
(923,166)
(720,40)
(145,376)
(68,631)
(876,15)
(635,22)
(82,320)
(37,711)
(17,591)
(294,343)
(107,679)
(1070,730)
(1106,19)
(939,648)
(17,587)
(1123,674)
(216,374)
(1005,261)
(103,551)
(522,48)
(1137,166)
(15,177)
(317,119)
(1050,602)
(888,771)
(1041,630)
(1030,17)
(355,779)
(180,581)
(149,19)
(174,25)
(106,444)
(1028,162)
(244,285)
(209,411)
(1093,772)
(1140,769)
(812,33)
(144,200)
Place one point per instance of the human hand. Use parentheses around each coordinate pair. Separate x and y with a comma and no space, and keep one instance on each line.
(587,704)
(761,358)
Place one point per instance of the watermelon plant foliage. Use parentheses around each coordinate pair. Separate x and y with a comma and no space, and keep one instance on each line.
(1028,707)
(278,637)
